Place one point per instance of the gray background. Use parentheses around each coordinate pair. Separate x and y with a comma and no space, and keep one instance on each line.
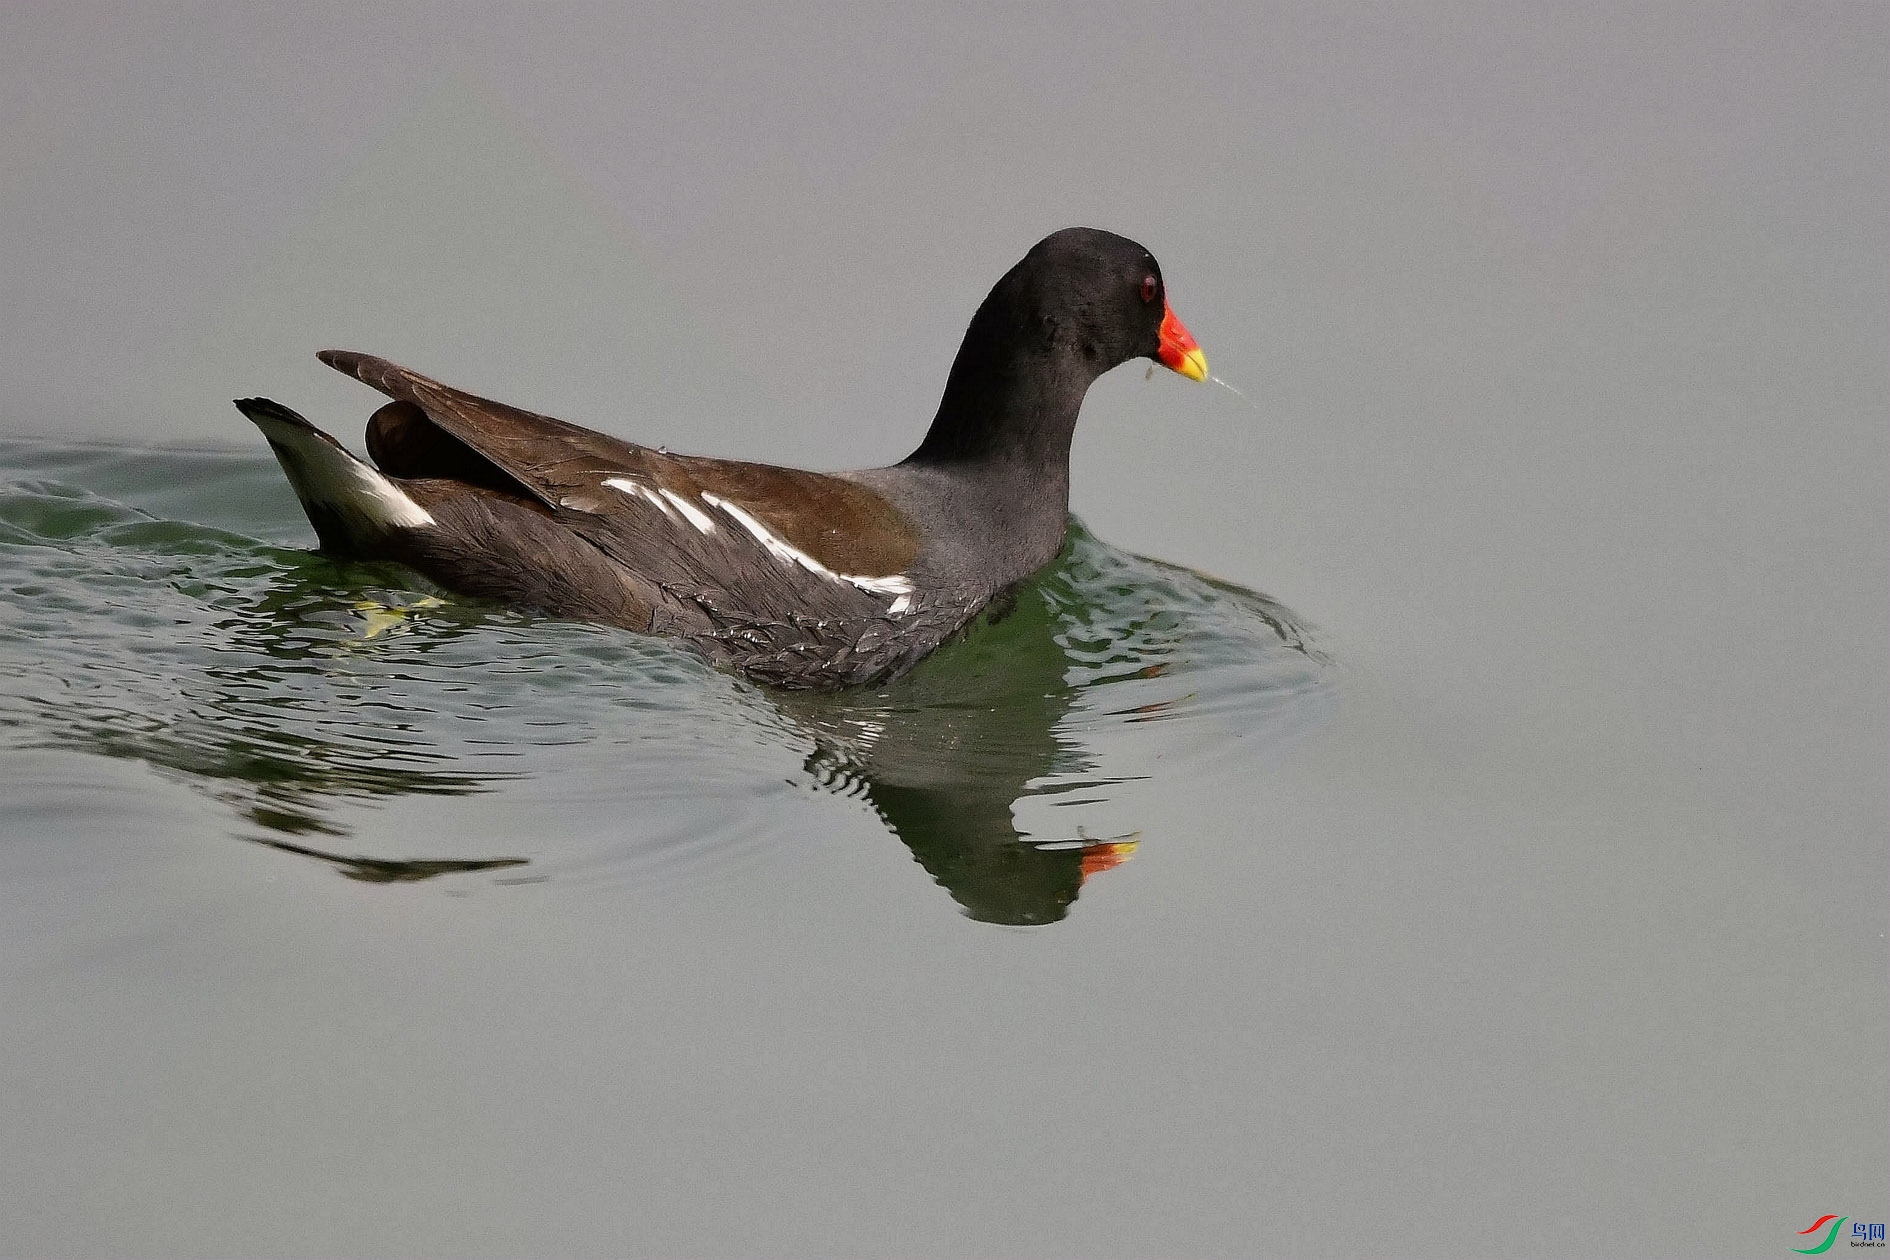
(1564,328)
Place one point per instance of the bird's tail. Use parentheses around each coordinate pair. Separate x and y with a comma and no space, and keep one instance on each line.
(353,507)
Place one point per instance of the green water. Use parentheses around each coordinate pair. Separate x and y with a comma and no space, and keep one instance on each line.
(161,609)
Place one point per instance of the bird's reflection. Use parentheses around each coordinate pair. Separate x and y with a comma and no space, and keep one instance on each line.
(944,754)
(371,870)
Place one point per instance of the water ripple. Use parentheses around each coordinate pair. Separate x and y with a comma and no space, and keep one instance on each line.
(159,608)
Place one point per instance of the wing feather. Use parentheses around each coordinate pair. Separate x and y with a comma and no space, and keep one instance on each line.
(763,611)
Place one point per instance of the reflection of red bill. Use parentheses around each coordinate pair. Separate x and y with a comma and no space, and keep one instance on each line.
(1106,855)
(1177,349)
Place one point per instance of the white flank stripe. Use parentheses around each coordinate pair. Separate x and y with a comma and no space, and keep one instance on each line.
(638,491)
(896,584)
(696,515)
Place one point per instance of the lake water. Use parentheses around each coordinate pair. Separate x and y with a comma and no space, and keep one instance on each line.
(342,917)
(1508,879)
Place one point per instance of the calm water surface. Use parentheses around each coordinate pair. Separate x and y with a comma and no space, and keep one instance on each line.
(342,918)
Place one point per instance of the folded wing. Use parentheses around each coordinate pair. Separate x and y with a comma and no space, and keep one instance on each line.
(819,561)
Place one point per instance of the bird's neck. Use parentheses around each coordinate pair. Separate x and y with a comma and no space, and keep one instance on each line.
(1011,401)
(1002,439)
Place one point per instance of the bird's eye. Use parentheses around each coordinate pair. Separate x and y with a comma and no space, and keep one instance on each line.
(1149,285)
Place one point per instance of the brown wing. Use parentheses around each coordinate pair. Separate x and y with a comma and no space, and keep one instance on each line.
(679,520)
(843,525)
(529,447)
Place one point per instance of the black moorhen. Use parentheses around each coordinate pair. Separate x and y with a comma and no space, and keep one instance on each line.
(798,579)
